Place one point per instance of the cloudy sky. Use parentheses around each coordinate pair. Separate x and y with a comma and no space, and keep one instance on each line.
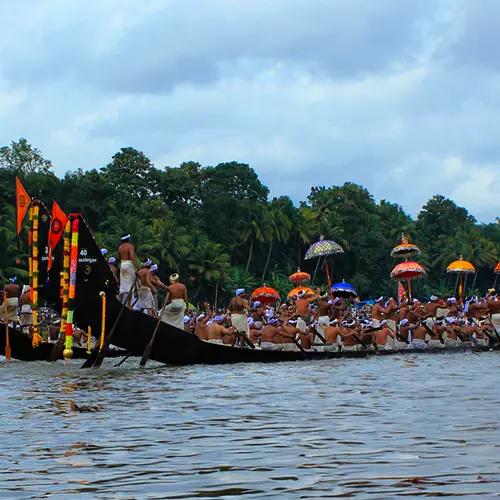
(400,96)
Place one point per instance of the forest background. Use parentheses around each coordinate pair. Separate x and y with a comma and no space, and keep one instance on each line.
(217,227)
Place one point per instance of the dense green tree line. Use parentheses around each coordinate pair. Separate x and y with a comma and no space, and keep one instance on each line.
(217,226)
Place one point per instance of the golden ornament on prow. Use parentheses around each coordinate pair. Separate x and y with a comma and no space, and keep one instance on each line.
(68,353)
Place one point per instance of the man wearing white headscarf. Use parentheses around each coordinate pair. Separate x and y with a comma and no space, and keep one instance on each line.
(128,264)
(177,302)
(238,307)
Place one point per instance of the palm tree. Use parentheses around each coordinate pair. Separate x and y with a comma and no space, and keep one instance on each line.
(279,230)
(254,231)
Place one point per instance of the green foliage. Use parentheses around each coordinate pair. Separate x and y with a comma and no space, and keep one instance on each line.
(216,226)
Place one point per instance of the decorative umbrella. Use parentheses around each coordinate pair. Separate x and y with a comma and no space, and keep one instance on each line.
(344,289)
(461,268)
(322,248)
(408,271)
(310,294)
(265,295)
(497,272)
(405,249)
(299,277)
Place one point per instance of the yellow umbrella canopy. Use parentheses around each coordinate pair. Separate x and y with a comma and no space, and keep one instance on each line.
(460,266)
(310,294)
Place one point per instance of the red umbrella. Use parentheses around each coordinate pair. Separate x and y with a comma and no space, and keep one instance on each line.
(408,271)
(265,294)
(299,277)
(497,269)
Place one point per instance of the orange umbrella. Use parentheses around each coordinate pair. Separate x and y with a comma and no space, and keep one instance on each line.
(405,248)
(265,294)
(310,295)
(461,266)
(497,269)
(299,277)
(408,271)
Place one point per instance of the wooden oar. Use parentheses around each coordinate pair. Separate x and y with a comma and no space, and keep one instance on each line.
(123,359)
(96,358)
(149,346)
(245,339)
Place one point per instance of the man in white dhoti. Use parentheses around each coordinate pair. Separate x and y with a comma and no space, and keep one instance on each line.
(238,307)
(128,265)
(11,300)
(177,301)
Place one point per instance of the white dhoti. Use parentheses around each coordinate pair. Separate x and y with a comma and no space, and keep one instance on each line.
(450,342)
(173,313)
(240,323)
(399,346)
(328,348)
(418,344)
(481,342)
(441,313)
(145,299)
(127,276)
(270,346)
(323,322)
(301,324)
(391,324)
(216,341)
(289,346)
(388,346)
(350,348)
(11,313)
(26,315)
(495,320)
(434,343)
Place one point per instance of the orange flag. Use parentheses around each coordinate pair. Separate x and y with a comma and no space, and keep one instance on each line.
(23,201)
(57,225)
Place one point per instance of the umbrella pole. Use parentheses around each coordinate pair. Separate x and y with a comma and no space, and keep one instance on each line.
(456,284)
(216,293)
(474,281)
(495,282)
(409,289)
(315,270)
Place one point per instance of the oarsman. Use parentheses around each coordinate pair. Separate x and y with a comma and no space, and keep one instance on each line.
(419,333)
(289,333)
(201,324)
(128,265)
(384,337)
(350,339)
(452,330)
(323,313)
(270,336)
(238,307)
(113,268)
(11,300)
(146,289)
(378,312)
(158,284)
(26,314)
(177,302)
(403,310)
(258,315)
(473,332)
(404,336)
(436,334)
(475,309)
(218,333)
(332,335)
(452,307)
(414,312)
(391,314)
(431,309)
(493,305)
(302,310)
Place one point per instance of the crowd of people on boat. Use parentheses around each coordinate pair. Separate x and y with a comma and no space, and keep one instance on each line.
(308,321)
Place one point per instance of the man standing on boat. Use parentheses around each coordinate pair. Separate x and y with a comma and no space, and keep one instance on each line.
(11,300)
(177,302)
(378,312)
(238,306)
(128,265)
(146,289)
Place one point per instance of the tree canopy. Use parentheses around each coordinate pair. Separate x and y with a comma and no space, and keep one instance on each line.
(217,226)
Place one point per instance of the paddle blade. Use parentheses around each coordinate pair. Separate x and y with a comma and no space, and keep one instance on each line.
(146,354)
(90,360)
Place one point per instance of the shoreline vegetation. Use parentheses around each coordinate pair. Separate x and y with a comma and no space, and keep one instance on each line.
(218,228)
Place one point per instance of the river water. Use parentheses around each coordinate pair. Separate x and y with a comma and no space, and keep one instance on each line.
(384,427)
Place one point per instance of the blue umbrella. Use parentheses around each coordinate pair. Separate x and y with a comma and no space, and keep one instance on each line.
(344,289)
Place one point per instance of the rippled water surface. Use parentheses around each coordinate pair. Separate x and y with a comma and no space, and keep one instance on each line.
(422,425)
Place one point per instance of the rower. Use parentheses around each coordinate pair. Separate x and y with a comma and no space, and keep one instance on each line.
(391,314)
(157,283)
(435,334)
(384,337)
(378,312)
(332,335)
(451,330)
(113,268)
(146,289)
(419,333)
(349,336)
(128,265)
(238,306)
(324,310)
(218,333)
(271,335)
(404,337)
(11,300)
(289,332)
(201,325)
(302,310)
(177,302)
(493,309)
(26,314)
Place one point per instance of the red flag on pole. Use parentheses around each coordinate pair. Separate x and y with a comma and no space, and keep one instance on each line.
(57,225)
(401,293)
(23,202)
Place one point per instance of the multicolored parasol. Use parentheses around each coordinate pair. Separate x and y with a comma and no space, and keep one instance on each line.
(265,295)
(299,277)
(461,268)
(344,289)
(310,294)
(408,271)
(322,248)
(405,249)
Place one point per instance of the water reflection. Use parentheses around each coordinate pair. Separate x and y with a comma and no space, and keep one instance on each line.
(374,428)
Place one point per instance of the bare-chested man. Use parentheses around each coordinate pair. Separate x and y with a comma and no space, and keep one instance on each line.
(378,312)
(218,333)
(26,314)
(11,300)
(384,337)
(238,307)
(158,284)
(270,336)
(201,328)
(493,305)
(349,336)
(176,303)
(146,289)
(128,265)
(332,336)
(113,269)
(323,314)
(419,333)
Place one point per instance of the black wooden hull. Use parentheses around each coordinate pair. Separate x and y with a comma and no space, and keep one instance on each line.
(176,347)
(22,350)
